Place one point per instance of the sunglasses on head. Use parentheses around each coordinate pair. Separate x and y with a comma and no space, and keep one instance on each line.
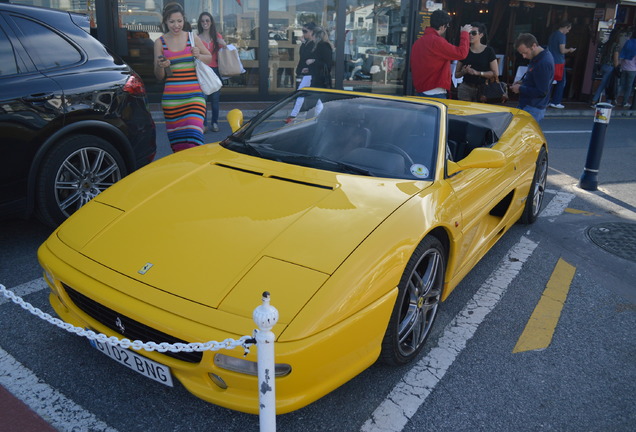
(474,33)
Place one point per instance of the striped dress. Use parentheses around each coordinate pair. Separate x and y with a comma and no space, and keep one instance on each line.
(183,102)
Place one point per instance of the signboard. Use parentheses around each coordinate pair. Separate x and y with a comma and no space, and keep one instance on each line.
(423,21)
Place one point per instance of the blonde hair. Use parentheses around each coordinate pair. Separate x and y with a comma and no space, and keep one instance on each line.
(321,35)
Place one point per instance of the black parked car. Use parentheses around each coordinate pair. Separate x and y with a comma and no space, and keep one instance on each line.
(74,118)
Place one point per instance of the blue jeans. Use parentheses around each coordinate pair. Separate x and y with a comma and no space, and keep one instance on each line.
(537,113)
(557,91)
(607,75)
(627,85)
(214,100)
(438,95)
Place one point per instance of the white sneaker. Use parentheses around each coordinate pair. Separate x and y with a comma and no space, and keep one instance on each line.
(559,106)
(627,105)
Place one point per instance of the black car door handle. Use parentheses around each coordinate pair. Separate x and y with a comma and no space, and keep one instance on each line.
(38,97)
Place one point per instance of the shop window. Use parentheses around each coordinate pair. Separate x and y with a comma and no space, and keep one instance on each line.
(375,46)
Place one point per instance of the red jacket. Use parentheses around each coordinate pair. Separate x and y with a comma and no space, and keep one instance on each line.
(430,59)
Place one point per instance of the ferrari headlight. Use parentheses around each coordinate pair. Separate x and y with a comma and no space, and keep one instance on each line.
(48,277)
(247,367)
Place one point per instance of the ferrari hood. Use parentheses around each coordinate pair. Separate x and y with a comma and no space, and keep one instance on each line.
(199,231)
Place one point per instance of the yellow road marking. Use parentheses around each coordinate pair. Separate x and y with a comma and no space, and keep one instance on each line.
(575,211)
(540,328)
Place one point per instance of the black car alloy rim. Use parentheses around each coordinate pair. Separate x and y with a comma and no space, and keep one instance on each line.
(82,176)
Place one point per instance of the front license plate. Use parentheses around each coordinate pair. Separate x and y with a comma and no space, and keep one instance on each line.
(136,362)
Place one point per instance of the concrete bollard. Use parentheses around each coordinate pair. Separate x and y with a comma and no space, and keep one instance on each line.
(266,316)
(602,114)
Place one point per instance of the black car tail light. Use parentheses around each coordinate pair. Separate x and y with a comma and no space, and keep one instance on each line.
(135,86)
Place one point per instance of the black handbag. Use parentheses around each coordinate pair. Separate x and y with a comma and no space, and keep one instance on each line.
(326,76)
(495,90)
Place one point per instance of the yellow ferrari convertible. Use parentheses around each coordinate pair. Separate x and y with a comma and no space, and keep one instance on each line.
(359,213)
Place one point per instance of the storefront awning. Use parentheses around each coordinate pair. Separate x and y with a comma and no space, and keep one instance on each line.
(573,3)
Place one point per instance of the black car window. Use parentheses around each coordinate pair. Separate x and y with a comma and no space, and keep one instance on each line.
(8,65)
(47,49)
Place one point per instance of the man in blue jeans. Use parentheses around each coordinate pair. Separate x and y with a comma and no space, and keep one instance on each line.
(534,87)
(556,46)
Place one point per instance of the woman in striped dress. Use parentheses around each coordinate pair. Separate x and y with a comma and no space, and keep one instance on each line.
(183,102)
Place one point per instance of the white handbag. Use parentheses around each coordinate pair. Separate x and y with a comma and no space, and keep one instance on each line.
(208,80)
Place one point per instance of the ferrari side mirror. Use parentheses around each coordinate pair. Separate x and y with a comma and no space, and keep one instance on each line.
(478,158)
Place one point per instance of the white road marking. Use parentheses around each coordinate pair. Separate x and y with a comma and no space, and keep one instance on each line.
(418,383)
(557,205)
(26,289)
(55,408)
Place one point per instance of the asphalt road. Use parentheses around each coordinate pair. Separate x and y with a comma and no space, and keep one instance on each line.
(467,378)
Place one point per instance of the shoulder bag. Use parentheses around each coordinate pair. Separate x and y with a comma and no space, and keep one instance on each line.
(230,62)
(208,80)
(494,90)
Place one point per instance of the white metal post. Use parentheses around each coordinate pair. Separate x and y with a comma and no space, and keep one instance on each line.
(266,316)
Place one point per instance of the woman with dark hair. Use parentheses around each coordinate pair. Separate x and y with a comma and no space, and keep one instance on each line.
(213,41)
(478,67)
(183,102)
(609,61)
(305,50)
(320,60)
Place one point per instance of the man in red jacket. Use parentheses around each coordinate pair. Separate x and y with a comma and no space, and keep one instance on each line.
(431,56)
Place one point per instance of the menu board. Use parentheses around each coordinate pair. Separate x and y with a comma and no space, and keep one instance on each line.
(423,21)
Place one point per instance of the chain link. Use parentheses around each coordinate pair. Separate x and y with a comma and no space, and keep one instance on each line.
(245,341)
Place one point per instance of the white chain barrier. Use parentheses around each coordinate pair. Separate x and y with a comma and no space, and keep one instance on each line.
(265,316)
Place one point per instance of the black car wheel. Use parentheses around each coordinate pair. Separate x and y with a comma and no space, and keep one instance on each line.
(420,290)
(537,189)
(77,169)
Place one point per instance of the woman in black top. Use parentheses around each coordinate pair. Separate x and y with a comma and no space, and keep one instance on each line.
(320,60)
(478,67)
(306,48)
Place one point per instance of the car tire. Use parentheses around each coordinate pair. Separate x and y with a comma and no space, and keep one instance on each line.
(76,170)
(537,189)
(415,309)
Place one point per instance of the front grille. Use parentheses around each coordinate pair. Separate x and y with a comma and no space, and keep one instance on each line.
(134,330)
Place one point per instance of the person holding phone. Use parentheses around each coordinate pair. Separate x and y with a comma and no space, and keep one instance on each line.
(534,87)
(556,46)
(182,101)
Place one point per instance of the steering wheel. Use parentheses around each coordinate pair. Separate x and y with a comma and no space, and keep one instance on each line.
(395,149)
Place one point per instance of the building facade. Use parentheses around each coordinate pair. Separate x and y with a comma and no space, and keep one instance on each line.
(371,38)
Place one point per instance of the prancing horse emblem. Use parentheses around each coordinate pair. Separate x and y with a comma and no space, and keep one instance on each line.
(145,268)
(120,325)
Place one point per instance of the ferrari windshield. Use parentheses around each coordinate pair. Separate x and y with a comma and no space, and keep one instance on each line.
(345,133)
